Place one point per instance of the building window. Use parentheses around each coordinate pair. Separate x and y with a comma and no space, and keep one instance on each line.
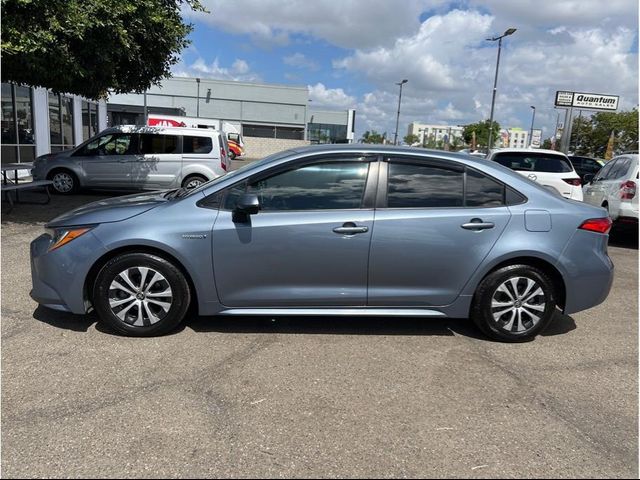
(89,119)
(60,122)
(272,131)
(17,124)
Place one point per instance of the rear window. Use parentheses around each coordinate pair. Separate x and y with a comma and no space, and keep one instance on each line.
(197,144)
(534,162)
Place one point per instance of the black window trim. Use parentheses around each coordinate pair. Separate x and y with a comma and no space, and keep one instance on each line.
(217,199)
(383,182)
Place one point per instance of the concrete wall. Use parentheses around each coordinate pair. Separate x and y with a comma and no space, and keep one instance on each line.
(258,147)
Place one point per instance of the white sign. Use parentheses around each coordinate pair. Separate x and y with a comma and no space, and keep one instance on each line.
(536,138)
(587,101)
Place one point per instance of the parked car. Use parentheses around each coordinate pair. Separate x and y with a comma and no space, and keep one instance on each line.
(332,230)
(586,165)
(615,187)
(550,168)
(137,158)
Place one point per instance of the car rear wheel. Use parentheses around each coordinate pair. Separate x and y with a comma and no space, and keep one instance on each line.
(232,155)
(514,303)
(140,294)
(193,181)
(65,182)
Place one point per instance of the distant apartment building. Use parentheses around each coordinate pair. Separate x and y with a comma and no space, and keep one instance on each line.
(435,132)
(514,137)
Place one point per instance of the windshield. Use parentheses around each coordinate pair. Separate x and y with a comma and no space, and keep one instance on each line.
(240,171)
(534,161)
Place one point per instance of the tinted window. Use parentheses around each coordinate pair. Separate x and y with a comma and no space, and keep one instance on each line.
(604,171)
(620,169)
(197,144)
(326,186)
(483,191)
(576,161)
(535,162)
(415,186)
(110,144)
(156,144)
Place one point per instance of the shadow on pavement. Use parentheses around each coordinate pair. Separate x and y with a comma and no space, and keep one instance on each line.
(308,325)
(624,236)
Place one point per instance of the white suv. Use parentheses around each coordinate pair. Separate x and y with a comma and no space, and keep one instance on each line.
(614,188)
(547,167)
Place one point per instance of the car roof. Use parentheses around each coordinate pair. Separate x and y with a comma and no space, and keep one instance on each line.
(159,129)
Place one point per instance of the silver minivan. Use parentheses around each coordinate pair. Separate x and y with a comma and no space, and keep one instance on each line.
(137,158)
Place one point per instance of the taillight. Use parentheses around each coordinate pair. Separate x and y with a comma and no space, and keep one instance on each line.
(223,159)
(628,190)
(573,181)
(600,225)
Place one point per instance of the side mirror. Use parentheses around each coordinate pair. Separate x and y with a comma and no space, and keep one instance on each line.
(248,204)
(588,178)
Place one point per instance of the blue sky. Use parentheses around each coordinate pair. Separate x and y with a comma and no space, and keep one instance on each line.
(350,53)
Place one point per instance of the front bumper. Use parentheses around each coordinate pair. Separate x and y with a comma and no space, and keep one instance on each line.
(58,277)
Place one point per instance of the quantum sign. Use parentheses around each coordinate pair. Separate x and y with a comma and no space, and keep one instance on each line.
(587,101)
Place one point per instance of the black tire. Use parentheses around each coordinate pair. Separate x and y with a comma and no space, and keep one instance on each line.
(517,311)
(156,318)
(194,180)
(65,182)
(232,155)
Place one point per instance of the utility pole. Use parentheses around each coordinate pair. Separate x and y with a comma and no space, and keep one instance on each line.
(395,137)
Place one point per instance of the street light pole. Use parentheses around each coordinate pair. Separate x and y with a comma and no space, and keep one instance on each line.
(533,118)
(509,31)
(395,137)
(198,100)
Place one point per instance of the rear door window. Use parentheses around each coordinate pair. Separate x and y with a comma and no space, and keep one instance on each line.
(197,144)
(534,162)
(620,169)
(483,191)
(424,186)
(153,144)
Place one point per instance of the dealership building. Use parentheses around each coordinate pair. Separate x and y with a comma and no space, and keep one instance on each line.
(271,117)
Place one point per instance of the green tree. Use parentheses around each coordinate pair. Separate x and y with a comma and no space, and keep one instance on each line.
(482,133)
(590,136)
(88,47)
(373,137)
(546,143)
(411,138)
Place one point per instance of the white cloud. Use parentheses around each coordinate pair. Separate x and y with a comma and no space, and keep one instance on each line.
(300,60)
(239,70)
(330,97)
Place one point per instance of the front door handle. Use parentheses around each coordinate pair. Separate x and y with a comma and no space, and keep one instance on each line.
(477,224)
(350,228)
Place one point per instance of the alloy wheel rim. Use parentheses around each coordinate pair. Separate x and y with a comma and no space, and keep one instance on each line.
(194,183)
(62,182)
(518,305)
(140,296)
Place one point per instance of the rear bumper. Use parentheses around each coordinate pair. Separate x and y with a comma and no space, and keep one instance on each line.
(588,271)
(628,213)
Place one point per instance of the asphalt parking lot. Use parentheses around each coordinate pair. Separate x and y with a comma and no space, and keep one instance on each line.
(315,397)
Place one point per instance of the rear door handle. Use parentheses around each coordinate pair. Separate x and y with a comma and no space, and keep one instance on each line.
(350,228)
(477,224)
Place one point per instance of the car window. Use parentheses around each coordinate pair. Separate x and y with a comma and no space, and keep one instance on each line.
(604,171)
(196,144)
(157,144)
(577,162)
(483,191)
(620,169)
(591,165)
(106,145)
(423,186)
(533,161)
(320,186)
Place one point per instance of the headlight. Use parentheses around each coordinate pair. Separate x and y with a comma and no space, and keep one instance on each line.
(62,236)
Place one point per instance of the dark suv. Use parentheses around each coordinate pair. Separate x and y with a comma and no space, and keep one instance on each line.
(585,165)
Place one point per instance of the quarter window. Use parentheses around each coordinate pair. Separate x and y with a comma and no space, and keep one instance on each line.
(423,186)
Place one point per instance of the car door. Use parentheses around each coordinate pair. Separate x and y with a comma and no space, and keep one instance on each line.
(106,161)
(308,245)
(159,161)
(594,193)
(429,235)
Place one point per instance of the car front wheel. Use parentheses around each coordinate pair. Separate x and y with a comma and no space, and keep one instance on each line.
(140,294)
(514,303)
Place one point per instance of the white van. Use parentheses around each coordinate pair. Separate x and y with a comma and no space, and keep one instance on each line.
(137,158)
